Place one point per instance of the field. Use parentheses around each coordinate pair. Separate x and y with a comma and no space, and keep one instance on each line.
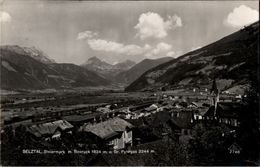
(23,106)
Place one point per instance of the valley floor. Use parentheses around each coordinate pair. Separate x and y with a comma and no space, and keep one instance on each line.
(163,128)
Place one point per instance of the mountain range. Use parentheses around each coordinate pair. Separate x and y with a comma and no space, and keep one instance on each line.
(29,68)
(123,72)
(232,61)
(137,70)
(105,69)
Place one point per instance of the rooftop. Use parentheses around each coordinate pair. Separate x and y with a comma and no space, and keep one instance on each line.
(48,128)
(107,128)
(225,110)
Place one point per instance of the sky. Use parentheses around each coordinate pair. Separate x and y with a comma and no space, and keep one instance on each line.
(73,31)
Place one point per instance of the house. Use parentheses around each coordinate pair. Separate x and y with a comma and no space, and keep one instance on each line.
(124,110)
(78,120)
(182,122)
(181,104)
(105,109)
(140,106)
(178,123)
(199,113)
(238,98)
(50,130)
(226,113)
(115,133)
(152,108)
(193,105)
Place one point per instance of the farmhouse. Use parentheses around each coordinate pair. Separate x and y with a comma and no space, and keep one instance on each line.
(50,130)
(115,133)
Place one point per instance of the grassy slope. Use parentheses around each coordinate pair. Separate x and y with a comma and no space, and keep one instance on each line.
(233,57)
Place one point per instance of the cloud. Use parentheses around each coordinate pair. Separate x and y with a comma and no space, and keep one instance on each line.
(5,17)
(161,50)
(161,47)
(98,44)
(110,46)
(173,22)
(242,15)
(170,54)
(86,35)
(153,25)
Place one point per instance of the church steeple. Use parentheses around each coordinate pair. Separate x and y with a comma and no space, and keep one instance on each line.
(214,88)
(215,95)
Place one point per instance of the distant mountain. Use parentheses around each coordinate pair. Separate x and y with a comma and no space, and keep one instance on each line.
(96,64)
(19,70)
(105,69)
(30,51)
(231,60)
(138,69)
(78,76)
(125,65)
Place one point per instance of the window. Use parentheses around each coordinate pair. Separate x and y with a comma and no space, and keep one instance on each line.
(130,134)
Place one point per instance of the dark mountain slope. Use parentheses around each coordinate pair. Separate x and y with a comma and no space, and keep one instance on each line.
(30,51)
(20,71)
(137,70)
(232,60)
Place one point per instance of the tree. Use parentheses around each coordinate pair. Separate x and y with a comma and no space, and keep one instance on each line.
(209,147)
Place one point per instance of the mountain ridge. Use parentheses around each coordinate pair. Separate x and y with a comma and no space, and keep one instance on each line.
(231,59)
(105,69)
(138,69)
(21,71)
(33,52)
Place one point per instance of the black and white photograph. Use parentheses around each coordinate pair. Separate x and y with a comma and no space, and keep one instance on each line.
(129,83)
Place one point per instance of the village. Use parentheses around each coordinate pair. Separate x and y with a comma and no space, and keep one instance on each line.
(126,125)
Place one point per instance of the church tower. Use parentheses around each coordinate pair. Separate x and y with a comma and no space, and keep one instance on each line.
(215,95)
